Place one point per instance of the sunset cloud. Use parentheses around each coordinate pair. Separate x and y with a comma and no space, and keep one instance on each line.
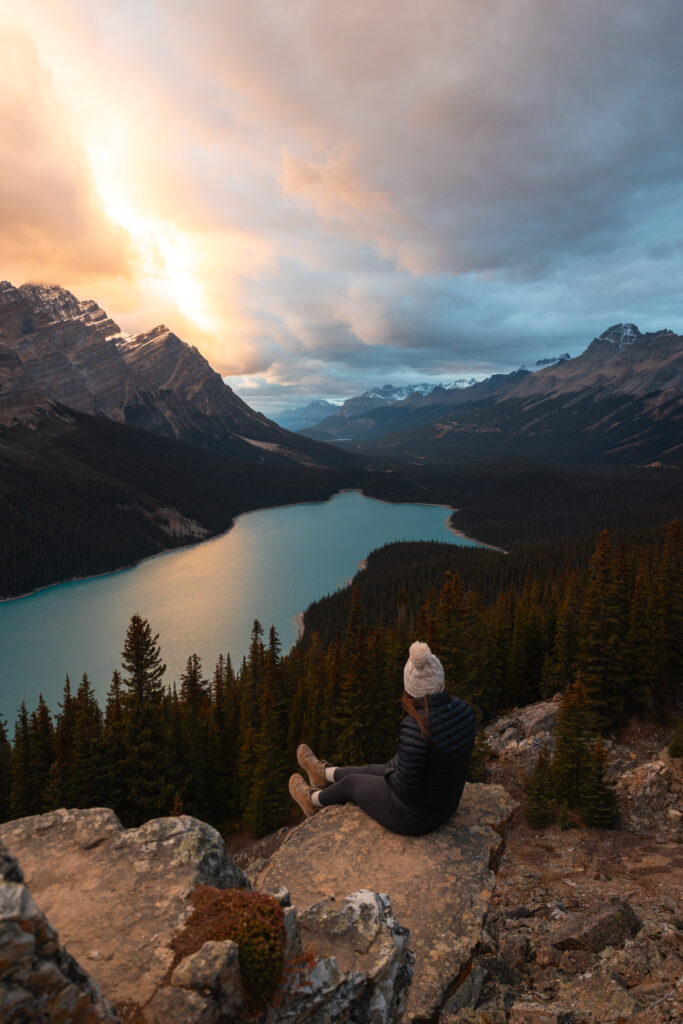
(325,194)
(53,221)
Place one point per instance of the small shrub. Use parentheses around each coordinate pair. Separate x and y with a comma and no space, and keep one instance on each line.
(251,919)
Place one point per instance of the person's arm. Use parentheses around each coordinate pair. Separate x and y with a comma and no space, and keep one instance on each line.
(411,758)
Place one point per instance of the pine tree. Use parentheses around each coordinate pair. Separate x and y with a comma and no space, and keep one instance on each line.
(571,754)
(602,634)
(267,792)
(42,750)
(641,649)
(454,633)
(540,794)
(141,661)
(598,799)
(223,740)
(5,773)
(194,689)
(59,790)
(25,796)
(488,685)
(558,666)
(675,747)
(352,706)
(195,751)
(527,649)
(148,777)
(88,780)
(113,742)
(670,625)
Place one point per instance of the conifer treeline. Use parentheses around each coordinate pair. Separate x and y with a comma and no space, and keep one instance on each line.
(222,747)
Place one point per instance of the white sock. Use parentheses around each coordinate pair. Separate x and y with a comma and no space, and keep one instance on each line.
(329,774)
(314,798)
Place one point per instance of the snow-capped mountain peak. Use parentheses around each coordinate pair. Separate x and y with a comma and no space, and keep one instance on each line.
(621,334)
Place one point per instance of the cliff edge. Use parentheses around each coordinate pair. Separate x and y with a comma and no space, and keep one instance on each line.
(118,896)
(439,884)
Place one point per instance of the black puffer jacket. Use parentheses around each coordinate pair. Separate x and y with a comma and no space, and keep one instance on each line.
(427,778)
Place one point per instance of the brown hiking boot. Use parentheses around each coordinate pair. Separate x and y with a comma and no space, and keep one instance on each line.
(310,764)
(300,792)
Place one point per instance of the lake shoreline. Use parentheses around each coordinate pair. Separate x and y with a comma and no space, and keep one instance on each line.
(213,536)
(276,563)
(191,543)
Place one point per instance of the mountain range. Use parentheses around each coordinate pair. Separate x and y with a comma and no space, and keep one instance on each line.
(58,352)
(621,400)
(311,415)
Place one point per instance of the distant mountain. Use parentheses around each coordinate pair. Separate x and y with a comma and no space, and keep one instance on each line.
(303,416)
(621,400)
(370,418)
(329,426)
(59,352)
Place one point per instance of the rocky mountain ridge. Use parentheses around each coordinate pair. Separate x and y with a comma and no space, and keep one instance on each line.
(621,400)
(59,352)
(312,415)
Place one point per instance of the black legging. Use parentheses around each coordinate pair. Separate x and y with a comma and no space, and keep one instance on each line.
(368,788)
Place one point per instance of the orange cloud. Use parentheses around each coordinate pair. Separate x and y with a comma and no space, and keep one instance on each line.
(53,222)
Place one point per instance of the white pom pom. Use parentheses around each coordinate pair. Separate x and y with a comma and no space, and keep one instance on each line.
(419,654)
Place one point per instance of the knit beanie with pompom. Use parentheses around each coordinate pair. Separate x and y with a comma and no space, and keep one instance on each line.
(423,672)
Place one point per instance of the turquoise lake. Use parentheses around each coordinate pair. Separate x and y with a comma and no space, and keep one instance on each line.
(269,566)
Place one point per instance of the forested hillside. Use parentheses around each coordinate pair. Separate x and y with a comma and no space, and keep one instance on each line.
(85,495)
(221,746)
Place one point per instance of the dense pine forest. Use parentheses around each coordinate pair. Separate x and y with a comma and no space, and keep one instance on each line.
(603,627)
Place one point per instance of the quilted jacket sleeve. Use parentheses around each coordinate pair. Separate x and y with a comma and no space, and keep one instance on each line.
(408,765)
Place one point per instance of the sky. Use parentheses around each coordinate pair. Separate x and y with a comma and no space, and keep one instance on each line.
(323,196)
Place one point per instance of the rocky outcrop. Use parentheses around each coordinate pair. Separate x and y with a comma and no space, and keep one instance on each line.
(525,731)
(119,897)
(651,797)
(39,981)
(584,927)
(607,926)
(439,884)
(361,970)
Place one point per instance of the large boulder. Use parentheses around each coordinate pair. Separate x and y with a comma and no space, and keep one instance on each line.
(651,797)
(117,895)
(611,925)
(439,884)
(525,731)
(39,981)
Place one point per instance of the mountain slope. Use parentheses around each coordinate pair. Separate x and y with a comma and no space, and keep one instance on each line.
(82,495)
(621,400)
(57,350)
(302,416)
(366,419)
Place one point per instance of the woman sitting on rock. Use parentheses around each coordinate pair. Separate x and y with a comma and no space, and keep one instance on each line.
(420,787)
